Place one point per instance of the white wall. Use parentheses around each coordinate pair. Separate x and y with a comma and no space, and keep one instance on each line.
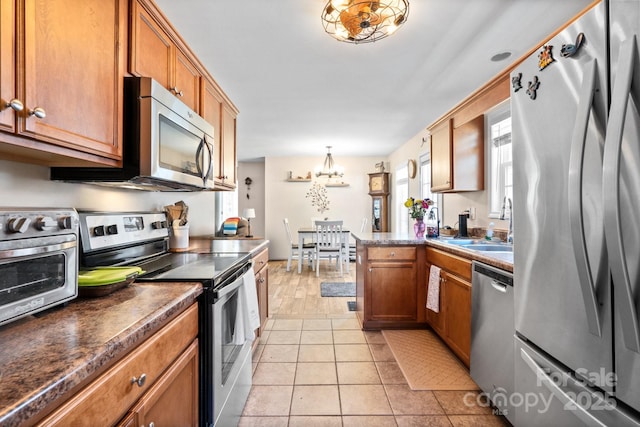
(256,193)
(26,185)
(287,199)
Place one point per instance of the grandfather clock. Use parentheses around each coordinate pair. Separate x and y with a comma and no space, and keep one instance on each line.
(379,192)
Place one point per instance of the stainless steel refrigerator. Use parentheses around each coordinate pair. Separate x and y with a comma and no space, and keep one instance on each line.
(576,162)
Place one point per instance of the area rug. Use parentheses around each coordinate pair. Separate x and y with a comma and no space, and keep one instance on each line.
(426,362)
(338,289)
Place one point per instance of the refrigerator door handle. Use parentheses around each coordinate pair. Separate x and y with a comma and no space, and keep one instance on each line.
(544,378)
(576,166)
(611,198)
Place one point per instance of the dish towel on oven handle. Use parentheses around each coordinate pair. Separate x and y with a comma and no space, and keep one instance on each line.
(433,293)
(248,315)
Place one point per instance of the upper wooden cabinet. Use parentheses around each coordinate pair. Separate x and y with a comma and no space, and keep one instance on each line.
(457,156)
(155,53)
(457,140)
(222,115)
(441,156)
(468,155)
(63,62)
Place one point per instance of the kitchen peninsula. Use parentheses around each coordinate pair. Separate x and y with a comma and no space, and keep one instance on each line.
(392,276)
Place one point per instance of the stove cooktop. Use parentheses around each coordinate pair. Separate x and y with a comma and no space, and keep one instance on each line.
(188,266)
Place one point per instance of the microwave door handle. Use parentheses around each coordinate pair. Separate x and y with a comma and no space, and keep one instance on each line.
(210,168)
(200,157)
(611,198)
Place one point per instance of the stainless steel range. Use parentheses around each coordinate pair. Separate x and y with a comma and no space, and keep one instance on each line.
(141,239)
(38,260)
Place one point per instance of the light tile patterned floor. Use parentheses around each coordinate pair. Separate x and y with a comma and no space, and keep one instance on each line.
(321,369)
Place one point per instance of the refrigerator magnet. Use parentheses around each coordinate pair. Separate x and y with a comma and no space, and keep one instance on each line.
(516,82)
(532,87)
(568,50)
(545,58)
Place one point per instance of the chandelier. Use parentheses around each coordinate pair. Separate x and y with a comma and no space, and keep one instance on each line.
(360,21)
(329,168)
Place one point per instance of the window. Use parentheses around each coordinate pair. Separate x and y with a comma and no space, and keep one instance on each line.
(402,192)
(425,186)
(500,158)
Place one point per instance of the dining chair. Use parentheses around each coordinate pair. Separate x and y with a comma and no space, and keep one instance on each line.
(329,242)
(294,252)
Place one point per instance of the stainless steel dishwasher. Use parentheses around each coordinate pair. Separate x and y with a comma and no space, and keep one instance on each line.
(492,335)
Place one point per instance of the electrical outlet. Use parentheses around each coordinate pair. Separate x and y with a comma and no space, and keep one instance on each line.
(472,213)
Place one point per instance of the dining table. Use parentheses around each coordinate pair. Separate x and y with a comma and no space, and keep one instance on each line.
(308,232)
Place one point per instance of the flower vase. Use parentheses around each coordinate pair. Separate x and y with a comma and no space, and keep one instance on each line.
(419,228)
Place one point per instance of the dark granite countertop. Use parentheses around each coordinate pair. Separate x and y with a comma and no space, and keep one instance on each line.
(48,357)
(499,260)
(212,244)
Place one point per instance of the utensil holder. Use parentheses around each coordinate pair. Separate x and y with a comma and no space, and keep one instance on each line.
(179,238)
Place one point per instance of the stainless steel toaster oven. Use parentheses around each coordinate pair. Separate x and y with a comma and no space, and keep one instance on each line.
(38,260)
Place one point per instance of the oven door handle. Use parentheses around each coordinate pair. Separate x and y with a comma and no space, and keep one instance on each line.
(230,288)
(14,253)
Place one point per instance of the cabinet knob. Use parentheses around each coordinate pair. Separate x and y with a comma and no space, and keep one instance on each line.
(370,270)
(152,424)
(140,380)
(177,91)
(14,104)
(38,112)
(392,254)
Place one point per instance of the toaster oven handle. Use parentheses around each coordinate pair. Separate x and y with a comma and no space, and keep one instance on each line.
(36,250)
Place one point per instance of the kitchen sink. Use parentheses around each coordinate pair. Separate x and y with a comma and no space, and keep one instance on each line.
(459,241)
(488,247)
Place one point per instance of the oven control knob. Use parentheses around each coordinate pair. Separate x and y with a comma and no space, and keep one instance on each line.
(45,223)
(157,225)
(112,229)
(98,230)
(18,225)
(65,222)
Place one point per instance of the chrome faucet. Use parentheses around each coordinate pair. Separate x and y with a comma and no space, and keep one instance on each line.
(502,212)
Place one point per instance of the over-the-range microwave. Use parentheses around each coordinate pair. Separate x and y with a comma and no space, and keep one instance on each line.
(166,145)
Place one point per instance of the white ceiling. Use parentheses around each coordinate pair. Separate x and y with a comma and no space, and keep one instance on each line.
(299,90)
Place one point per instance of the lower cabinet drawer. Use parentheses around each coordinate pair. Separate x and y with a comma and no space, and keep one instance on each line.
(260,260)
(106,400)
(391,253)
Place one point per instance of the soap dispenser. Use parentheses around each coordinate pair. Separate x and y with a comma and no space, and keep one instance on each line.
(489,235)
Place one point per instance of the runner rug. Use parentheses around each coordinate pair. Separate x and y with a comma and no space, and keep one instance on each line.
(426,362)
(338,289)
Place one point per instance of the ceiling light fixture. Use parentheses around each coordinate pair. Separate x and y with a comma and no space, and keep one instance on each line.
(329,168)
(359,21)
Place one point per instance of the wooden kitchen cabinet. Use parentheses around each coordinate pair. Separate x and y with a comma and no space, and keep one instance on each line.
(390,295)
(261,270)
(441,157)
(64,62)
(457,139)
(155,52)
(144,383)
(453,321)
(173,399)
(457,299)
(218,111)
(457,156)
